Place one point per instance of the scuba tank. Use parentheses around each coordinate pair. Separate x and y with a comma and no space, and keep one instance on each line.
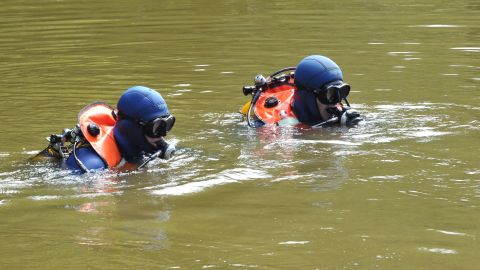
(64,145)
(61,145)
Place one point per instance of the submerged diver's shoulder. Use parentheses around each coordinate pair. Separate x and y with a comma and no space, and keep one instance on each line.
(86,156)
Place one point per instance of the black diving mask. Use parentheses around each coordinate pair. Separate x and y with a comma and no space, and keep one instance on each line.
(333,93)
(159,126)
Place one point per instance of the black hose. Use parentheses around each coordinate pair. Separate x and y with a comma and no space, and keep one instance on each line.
(333,120)
(150,158)
(255,97)
(77,160)
(348,104)
(282,70)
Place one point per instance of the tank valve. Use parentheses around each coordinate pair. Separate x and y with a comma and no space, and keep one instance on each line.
(260,80)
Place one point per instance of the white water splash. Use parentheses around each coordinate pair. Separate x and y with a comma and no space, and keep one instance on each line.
(225,177)
(448,232)
(182,85)
(387,177)
(467,49)
(400,53)
(402,107)
(44,197)
(294,243)
(429,133)
(304,142)
(438,250)
(437,25)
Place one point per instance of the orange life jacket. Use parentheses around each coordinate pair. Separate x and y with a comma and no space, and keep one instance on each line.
(100,115)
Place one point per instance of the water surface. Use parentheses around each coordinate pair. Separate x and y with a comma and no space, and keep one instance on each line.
(401,191)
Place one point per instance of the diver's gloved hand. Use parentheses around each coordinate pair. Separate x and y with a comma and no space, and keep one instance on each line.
(166,150)
(350,118)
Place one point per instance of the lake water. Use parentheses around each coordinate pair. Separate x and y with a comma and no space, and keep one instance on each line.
(401,191)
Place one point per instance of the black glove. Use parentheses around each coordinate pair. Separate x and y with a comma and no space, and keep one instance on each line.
(166,150)
(350,118)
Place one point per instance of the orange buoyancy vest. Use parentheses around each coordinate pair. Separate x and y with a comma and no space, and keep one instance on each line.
(97,122)
(275,103)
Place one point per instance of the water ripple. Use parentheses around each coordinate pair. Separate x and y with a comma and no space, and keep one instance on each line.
(437,26)
(467,49)
(438,250)
(222,178)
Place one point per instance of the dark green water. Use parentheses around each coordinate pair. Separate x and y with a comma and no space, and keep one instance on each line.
(402,191)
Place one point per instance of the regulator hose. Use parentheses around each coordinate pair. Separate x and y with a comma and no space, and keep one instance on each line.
(282,70)
(255,97)
(77,160)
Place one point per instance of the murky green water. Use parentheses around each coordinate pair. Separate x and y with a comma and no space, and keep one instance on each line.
(401,191)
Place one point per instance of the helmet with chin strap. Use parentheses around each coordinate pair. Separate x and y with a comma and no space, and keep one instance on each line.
(138,108)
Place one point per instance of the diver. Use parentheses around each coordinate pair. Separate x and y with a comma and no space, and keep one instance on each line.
(124,138)
(310,94)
